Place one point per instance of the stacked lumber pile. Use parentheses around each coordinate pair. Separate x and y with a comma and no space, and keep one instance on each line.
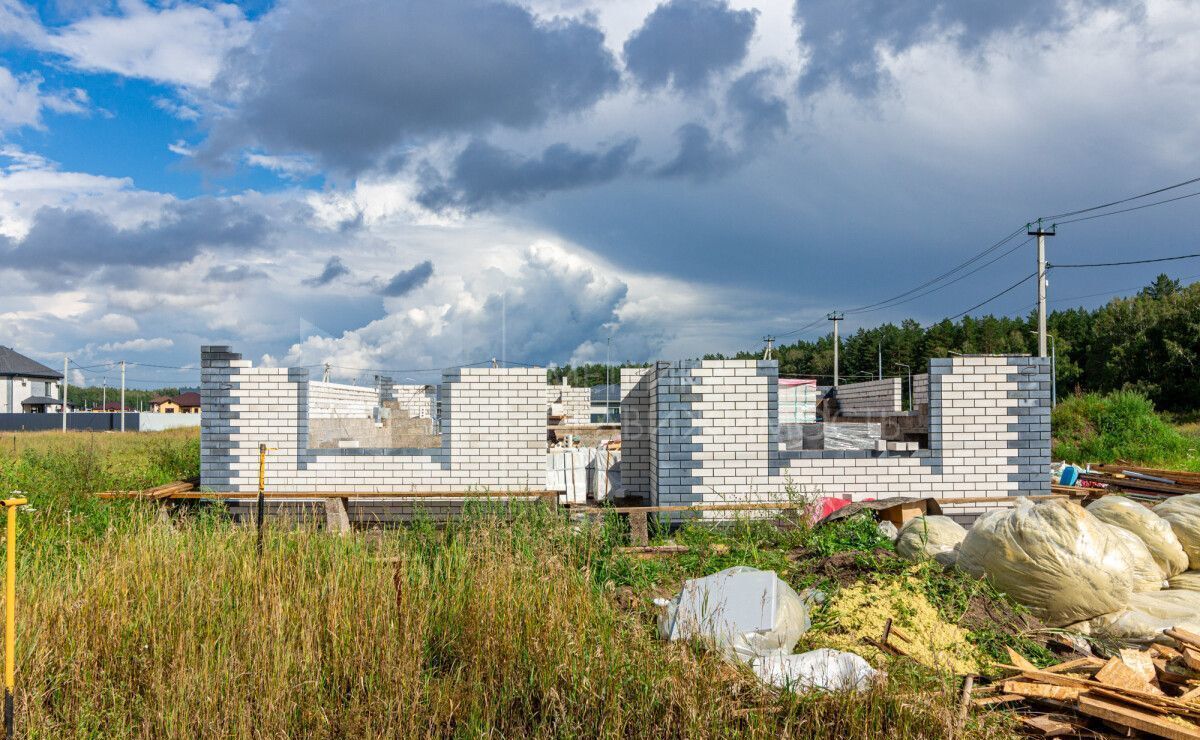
(152,494)
(1149,484)
(1155,692)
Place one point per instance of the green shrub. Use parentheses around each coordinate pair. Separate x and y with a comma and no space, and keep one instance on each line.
(1117,426)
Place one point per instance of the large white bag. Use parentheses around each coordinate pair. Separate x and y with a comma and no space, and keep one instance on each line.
(1183,514)
(1146,574)
(930,536)
(1152,529)
(1054,557)
(1189,580)
(1149,614)
(746,612)
(823,669)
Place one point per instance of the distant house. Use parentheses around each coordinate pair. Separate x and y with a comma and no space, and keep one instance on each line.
(27,386)
(606,403)
(113,406)
(184,403)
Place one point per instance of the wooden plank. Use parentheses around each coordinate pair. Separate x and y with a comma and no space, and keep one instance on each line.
(1046,726)
(1191,657)
(1157,700)
(1043,690)
(1139,662)
(222,495)
(1191,695)
(1019,660)
(788,505)
(1138,720)
(1180,635)
(1079,664)
(987,701)
(1118,675)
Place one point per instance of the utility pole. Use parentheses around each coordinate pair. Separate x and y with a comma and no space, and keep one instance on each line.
(607,381)
(104,393)
(122,395)
(770,342)
(1041,235)
(66,384)
(910,395)
(325,376)
(881,360)
(835,317)
(504,328)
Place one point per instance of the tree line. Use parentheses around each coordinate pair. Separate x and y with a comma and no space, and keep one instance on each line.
(1149,342)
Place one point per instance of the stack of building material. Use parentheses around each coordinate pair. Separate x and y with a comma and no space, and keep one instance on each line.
(797,400)
(1149,484)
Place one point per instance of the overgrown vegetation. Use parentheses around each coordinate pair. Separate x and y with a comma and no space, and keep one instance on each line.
(132,626)
(1120,426)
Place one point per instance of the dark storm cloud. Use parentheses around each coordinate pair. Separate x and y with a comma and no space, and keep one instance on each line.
(334,269)
(763,115)
(407,281)
(701,155)
(684,42)
(72,243)
(843,34)
(484,175)
(231,274)
(355,83)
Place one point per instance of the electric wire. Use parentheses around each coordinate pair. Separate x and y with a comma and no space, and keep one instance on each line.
(1122,200)
(1127,210)
(1127,262)
(989,300)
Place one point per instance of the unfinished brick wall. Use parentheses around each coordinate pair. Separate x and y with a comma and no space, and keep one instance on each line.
(713,437)
(637,424)
(492,426)
(340,401)
(871,396)
(920,389)
(420,401)
(574,403)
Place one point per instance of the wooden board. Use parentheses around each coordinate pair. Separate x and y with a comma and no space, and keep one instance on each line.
(1043,690)
(1118,675)
(245,495)
(1047,726)
(1138,720)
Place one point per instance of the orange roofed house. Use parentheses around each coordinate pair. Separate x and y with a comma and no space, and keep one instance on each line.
(184,403)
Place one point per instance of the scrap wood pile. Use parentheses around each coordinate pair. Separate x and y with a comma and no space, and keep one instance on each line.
(152,494)
(1148,484)
(1154,691)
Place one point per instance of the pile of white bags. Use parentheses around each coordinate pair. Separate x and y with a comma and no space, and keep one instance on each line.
(1055,558)
(932,536)
(1150,528)
(1183,514)
(755,617)
(1148,614)
(1143,570)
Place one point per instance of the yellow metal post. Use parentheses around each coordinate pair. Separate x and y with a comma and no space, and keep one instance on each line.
(10,613)
(262,479)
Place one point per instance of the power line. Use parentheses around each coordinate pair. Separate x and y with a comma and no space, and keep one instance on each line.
(1127,210)
(946,274)
(1025,279)
(801,330)
(1123,200)
(1130,262)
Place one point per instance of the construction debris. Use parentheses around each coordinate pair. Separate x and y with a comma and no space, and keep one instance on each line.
(934,537)
(1183,514)
(1152,529)
(1149,691)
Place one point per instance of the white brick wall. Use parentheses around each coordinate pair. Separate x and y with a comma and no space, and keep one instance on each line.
(492,426)
(713,437)
(871,396)
(574,403)
(420,401)
(340,401)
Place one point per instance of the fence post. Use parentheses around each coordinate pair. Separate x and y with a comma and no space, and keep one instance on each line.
(10,612)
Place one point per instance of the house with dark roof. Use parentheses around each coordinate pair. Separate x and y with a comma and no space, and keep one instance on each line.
(187,402)
(27,385)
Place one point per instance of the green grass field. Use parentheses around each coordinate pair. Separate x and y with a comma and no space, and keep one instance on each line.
(135,625)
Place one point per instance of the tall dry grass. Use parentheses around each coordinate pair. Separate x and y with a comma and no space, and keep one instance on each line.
(488,628)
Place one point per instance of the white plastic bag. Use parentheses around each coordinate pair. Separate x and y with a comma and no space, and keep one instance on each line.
(1147,615)
(887,529)
(1152,529)
(930,536)
(1146,574)
(746,612)
(1183,514)
(823,669)
(1054,557)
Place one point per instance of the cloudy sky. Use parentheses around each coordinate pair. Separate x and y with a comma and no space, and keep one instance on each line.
(408,185)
